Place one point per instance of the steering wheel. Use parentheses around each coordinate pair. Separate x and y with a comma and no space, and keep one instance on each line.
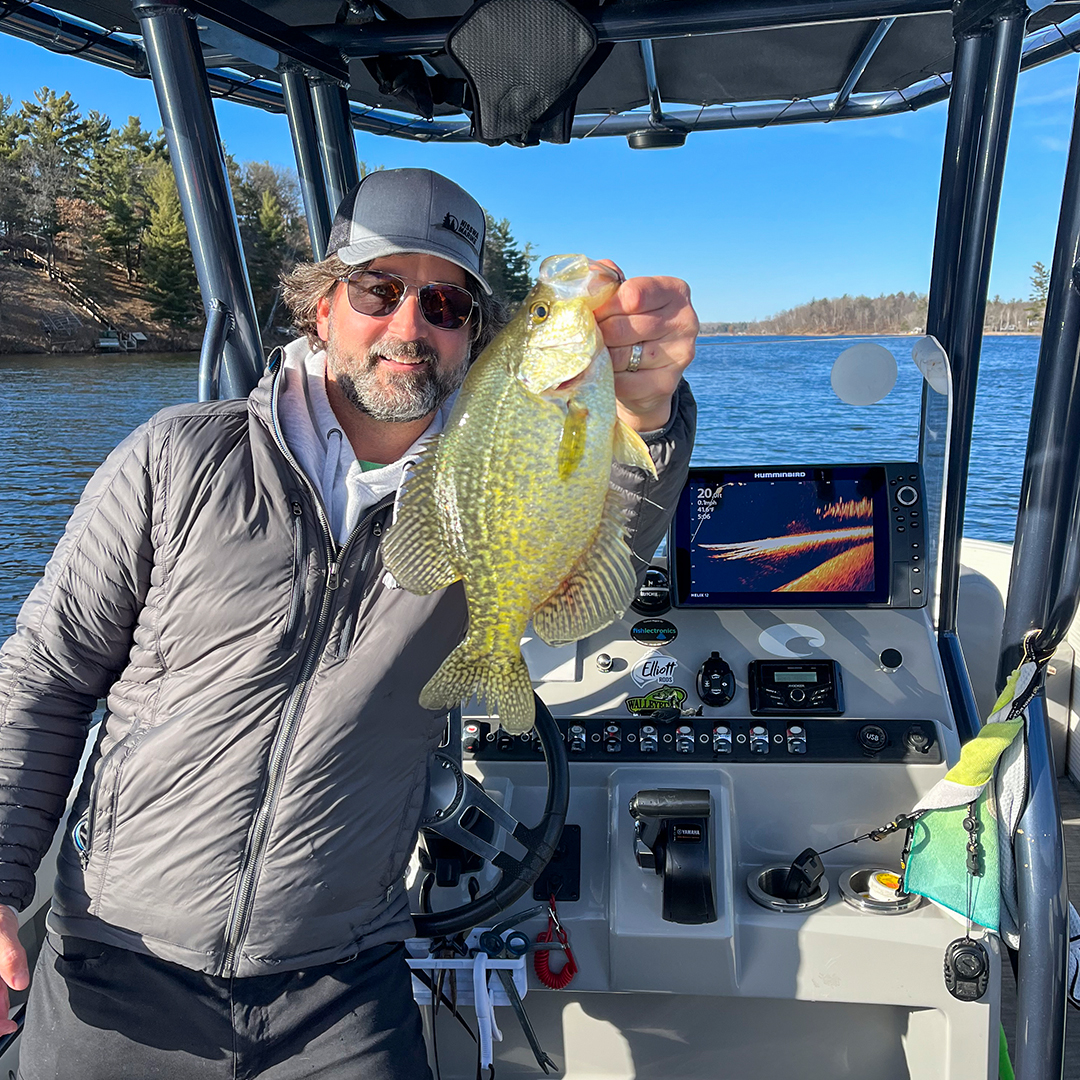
(452,795)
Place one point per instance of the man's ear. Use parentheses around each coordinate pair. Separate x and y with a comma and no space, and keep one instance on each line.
(322,318)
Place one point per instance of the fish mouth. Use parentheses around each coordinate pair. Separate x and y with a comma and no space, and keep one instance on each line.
(577,277)
(568,384)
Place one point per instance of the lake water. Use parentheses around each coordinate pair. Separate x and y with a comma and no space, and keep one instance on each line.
(761,401)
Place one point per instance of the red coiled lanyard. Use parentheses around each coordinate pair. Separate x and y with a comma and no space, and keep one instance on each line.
(558,980)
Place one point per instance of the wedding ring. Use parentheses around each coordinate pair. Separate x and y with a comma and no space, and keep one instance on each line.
(635,357)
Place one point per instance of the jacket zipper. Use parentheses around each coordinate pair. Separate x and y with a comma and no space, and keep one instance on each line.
(298,584)
(240,912)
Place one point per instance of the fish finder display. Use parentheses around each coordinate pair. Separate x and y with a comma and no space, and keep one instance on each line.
(794,537)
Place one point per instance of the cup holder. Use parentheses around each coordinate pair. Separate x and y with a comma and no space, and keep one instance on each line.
(856,889)
(768,887)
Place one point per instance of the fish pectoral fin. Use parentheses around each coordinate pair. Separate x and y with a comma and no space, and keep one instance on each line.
(414,550)
(598,589)
(572,441)
(501,682)
(630,449)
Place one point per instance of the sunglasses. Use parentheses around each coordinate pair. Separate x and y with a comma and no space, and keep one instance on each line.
(378,294)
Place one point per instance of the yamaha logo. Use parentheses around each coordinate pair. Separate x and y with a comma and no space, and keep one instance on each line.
(462,228)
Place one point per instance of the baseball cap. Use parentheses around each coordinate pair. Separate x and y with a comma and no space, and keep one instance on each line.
(407,212)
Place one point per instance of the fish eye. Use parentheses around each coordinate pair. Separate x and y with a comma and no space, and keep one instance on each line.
(538,312)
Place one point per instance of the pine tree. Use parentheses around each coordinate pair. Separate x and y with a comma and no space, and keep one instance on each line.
(168,268)
(117,179)
(266,248)
(272,228)
(54,157)
(13,186)
(506,266)
(1040,289)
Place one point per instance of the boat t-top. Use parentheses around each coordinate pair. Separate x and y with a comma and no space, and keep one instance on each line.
(791,675)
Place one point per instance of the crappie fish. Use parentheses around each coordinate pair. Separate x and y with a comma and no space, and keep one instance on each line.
(514,498)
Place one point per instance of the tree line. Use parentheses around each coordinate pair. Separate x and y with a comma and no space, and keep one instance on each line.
(897,313)
(100,203)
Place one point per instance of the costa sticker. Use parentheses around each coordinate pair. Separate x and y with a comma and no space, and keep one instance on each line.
(663,697)
(656,667)
(654,632)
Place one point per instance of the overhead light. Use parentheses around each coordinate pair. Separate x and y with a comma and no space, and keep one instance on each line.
(655,139)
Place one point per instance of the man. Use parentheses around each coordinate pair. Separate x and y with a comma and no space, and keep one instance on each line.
(229,898)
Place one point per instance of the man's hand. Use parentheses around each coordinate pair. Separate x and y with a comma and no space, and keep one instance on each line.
(656,312)
(13,969)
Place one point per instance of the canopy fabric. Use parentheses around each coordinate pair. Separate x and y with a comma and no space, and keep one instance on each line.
(784,64)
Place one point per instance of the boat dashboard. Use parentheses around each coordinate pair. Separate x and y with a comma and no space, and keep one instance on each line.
(775,686)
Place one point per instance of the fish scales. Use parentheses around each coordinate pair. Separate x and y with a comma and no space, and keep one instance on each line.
(514,498)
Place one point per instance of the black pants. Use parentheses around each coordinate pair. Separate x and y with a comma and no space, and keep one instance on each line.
(101,1013)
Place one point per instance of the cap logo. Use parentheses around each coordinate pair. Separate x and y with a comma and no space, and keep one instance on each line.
(462,228)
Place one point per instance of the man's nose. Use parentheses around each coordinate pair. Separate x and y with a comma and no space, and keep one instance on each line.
(407,322)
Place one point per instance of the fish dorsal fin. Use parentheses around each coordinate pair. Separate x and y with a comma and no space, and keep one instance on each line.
(630,449)
(599,588)
(414,550)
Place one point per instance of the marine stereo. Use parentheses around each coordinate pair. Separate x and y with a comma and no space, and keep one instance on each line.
(802,536)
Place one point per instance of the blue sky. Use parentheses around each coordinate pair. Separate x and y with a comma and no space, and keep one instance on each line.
(756,221)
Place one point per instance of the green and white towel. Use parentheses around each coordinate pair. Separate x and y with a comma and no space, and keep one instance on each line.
(992,774)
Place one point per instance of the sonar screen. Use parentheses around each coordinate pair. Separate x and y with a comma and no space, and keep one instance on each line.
(784,537)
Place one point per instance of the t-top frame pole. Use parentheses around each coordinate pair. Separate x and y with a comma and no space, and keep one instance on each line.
(194,146)
(336,143)
(183,97)
(1043,592)
(971,65)
(297,93)
(961,323)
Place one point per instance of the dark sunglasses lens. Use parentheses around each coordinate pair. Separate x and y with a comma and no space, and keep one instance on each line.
(446,306)
(375,294)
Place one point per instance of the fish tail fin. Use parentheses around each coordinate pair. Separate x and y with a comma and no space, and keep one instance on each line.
(501,682)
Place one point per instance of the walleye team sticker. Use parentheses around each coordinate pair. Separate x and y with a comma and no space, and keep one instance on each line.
(663,697)
(656,667)
(654,632)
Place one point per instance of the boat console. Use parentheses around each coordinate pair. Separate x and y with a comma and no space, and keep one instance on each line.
(774,688)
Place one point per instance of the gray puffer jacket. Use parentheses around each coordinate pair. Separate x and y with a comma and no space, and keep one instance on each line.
(255,789)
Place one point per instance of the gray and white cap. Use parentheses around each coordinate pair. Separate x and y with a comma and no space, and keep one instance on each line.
(406,212)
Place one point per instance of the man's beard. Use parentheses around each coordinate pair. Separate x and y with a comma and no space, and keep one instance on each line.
(398,396)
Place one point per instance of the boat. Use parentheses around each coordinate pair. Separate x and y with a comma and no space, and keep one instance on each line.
(769,696)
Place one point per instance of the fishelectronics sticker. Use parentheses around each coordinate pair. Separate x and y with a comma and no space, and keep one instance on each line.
(654,632)
(656,667)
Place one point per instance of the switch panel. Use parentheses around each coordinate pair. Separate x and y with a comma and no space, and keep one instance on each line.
(704,739)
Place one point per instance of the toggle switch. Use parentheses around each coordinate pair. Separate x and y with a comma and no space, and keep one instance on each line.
(796,739)
(759,739)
